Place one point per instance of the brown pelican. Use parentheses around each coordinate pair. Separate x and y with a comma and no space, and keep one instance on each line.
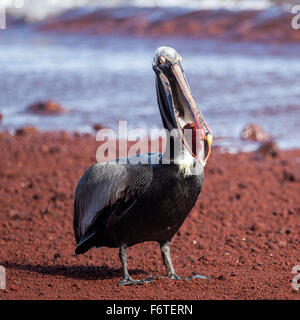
(118,205)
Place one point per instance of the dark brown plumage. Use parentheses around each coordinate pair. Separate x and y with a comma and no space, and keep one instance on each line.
(118,205)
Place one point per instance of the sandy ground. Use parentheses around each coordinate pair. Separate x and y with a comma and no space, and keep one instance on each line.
(243,232)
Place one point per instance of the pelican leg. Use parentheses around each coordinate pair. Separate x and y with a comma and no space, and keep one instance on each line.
(126,278)
(165,252)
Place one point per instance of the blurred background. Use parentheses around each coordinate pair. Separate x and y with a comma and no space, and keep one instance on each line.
(93,58)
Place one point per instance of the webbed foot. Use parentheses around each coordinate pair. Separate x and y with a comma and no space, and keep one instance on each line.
(130,281)
(174,276)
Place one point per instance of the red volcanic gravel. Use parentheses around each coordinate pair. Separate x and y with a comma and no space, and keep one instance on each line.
(243,232)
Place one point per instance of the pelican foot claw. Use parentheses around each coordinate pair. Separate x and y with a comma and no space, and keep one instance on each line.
(130,281)
(196,276)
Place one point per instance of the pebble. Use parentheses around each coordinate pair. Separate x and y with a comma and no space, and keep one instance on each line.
(282,244)
(47,108)
(254,132)
(13,287)
(27,131)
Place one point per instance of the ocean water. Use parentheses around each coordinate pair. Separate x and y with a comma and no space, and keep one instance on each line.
(104,79)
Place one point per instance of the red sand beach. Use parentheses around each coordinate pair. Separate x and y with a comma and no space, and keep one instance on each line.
(243,231)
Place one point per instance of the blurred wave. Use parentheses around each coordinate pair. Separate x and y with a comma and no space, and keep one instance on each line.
(32,10)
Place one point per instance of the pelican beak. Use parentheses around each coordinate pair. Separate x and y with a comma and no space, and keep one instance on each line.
(177,104)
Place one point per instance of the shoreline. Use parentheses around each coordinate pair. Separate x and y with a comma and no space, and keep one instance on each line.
(243,231)
(155,143)
(269,25)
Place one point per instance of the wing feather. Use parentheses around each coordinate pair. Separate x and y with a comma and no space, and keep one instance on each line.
(105,186)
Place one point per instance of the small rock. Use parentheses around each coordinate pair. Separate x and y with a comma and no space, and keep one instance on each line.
(13,288)
(254,132)
(281,230)
(36,197)
(48,108)
(291,175)
(15,215)
(258,226)
(76,134)
(242,259)
(64,135)
(59,196)
(268,148)
(44,148)
(259,263)
(27,131)
(97,127)
(282,244)
(57,255)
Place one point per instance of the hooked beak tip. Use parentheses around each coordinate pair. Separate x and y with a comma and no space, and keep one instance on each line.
(209,140)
